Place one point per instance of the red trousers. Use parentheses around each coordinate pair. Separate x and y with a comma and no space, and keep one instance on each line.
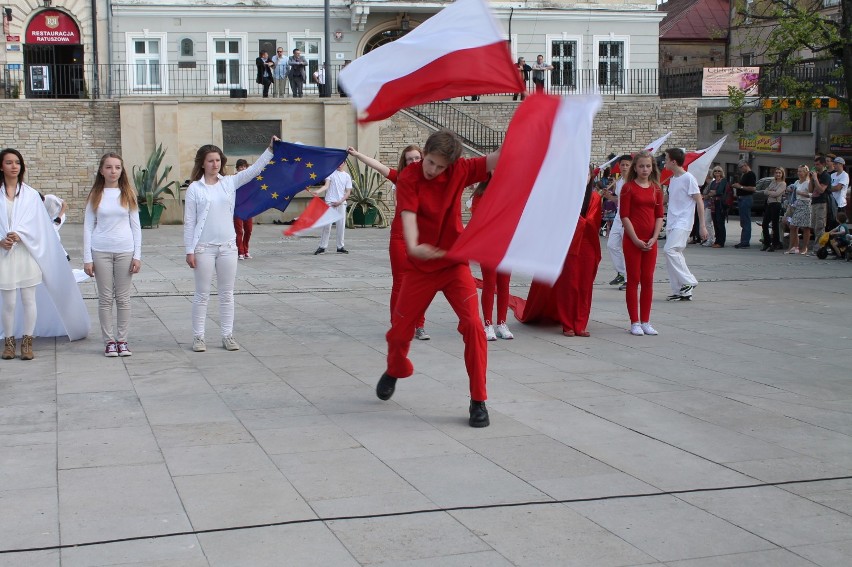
(418,290)
(491,282)
(640,272)
(243,230)
(399,267)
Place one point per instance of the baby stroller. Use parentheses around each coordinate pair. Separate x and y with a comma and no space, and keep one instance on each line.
(825,247)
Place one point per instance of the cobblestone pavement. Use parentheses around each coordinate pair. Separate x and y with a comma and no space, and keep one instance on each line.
(723,441)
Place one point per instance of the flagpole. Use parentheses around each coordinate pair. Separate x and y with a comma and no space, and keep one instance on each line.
(325,88)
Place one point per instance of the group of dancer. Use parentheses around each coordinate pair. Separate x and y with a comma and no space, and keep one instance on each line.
(429,184)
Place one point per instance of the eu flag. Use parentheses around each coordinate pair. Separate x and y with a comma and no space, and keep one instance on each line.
(293,167)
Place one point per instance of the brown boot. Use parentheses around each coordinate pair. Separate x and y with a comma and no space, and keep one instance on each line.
(27,347)
(8,348)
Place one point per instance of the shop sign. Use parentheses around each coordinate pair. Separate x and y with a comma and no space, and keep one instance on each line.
(840,144)
(52,27)
(761,143)
(716,80)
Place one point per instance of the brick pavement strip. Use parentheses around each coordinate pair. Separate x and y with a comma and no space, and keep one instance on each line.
(746,385)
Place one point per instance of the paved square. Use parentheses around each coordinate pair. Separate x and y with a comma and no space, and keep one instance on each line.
(685,449)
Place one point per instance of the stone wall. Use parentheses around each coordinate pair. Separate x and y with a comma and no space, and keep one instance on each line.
(62,142)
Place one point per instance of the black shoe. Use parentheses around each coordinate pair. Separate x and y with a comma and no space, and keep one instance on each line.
(276,221)
(741,246)
(386,387)
(320,250)
(765,249)
(68,257)
(478,415)
(342,251)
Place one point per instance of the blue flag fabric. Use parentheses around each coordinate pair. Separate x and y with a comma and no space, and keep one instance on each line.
(293,167)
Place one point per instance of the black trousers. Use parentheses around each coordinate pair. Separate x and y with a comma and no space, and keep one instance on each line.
(772,214)
(720,217)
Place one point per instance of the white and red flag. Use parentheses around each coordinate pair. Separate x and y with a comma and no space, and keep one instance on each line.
(459,51)
(653,147)
(527,218)
(316,215)
(697,163)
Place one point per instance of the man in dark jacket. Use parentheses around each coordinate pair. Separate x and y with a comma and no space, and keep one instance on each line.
(297,64)
(264,71)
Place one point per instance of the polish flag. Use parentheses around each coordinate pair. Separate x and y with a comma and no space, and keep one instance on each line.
(526,220)
(697,163)
(653,147)
(459,51)
(316,215)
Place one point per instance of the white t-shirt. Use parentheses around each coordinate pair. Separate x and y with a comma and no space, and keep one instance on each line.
(339,182)
(219,226)
(681,212)
(112,229)
(841,178)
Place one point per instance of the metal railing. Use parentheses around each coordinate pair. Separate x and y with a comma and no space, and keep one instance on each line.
(189,79)
(470,130)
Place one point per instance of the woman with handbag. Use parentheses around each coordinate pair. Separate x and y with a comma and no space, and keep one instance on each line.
(721,194)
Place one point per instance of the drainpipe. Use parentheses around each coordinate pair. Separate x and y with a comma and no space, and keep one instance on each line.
(96,90)
(109,49)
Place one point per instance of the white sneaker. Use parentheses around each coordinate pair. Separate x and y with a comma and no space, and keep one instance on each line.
(229,343)
(248,256)
(198,344)
(636,329)
(421,335)
(503,332)
(241,257)
(648,329)
(489,333)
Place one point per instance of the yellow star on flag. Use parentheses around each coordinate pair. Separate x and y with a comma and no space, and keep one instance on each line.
(309,165)
(259,178)
(264,187)
(274,195)
(298,159)
(283,159)
(313,176)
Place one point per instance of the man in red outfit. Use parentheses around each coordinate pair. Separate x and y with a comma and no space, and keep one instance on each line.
(428,197)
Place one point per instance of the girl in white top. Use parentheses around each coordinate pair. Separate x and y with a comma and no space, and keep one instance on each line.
(112,248)
(209,237)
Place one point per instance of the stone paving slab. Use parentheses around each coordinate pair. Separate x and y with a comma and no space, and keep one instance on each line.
(611,450)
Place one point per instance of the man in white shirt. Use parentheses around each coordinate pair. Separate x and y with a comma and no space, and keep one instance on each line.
(839,183)
(615,237)
(684,197)
(337,188)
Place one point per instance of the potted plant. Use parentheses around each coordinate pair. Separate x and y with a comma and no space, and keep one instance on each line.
(366,207)
(151,186)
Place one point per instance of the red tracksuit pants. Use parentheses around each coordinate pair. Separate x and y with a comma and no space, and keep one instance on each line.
(399,267)
(243,230)
(574,290)
(493,281)
(640,272)
(418,290)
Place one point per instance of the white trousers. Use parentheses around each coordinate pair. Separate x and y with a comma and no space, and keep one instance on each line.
(28,303)
(708,222)
(112,274)
(679,274)
(341,225)
(615,244)
(221,259)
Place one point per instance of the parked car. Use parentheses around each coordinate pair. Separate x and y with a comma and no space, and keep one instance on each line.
(759,200)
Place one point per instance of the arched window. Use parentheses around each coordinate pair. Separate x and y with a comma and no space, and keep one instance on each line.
(382,38)
(186,48)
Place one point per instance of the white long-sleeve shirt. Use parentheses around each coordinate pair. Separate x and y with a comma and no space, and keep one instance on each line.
(199,201)
(112,228)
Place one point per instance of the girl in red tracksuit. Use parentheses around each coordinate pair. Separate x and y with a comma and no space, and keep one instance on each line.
(398,256)
(641,210)
(493,281)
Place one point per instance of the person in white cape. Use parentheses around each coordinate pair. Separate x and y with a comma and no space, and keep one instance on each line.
(33,269)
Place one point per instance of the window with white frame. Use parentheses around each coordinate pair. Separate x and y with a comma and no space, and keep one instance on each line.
(146,59)
(311,49)
(563,57)
(611,63)
(803,123)
(227,63)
